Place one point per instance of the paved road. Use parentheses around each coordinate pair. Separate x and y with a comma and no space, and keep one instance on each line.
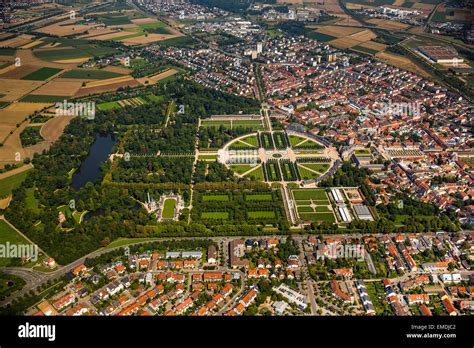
(309,285)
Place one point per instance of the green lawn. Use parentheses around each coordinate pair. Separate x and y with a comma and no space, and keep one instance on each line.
(11,183)
(220,198)
(261,214)
(207,157)
(168,208)
(252,140)
(294,139)
(316,166)
(256,174)
(217,124)
(241,168)
(41,74)
(8,234)
(108,106)
(32,202)
(154,98)
(259,197)
(316,194)
(317,209)
(306,174)
(316,217)
(215,215)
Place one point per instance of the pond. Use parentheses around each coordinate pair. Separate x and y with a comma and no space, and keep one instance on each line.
(89,170)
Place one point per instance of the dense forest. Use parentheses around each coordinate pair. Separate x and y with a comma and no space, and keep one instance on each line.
(216,137)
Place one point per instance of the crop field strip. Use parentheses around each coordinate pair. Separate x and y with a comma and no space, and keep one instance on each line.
(42,74)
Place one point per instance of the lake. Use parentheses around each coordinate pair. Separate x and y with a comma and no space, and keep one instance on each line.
(90,167)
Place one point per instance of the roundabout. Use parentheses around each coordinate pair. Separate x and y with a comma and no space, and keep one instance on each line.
(278,156)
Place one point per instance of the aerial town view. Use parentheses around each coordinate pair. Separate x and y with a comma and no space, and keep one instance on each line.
(300,159)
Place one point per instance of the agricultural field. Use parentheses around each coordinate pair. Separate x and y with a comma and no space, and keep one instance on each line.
(92,74)
(8,184)
(71,51)
(42,74)
(348,37)
(454,15)
(59,87)
(131,29)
